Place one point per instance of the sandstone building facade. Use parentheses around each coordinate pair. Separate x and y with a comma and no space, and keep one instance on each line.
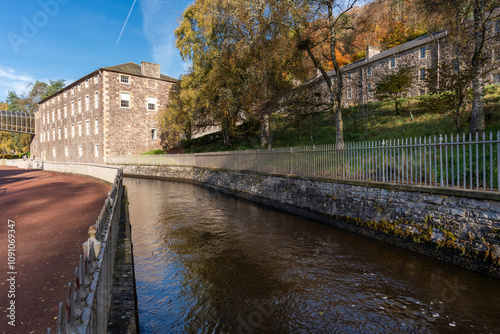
(109,112)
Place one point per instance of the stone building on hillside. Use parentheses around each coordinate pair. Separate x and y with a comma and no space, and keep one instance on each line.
(361,77)
(109,112)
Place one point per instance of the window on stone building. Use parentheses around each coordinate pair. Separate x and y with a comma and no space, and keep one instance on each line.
(53,115)
(73,91)
(41,137)
(151,103)
(497,27)
(58,97)
(422,52)
(369,71)
(125,100)
(80,150)
(73,130)
(96,100)
(59,113)
(422,74)
(153,134)
(65,111)
(54,152)
(496,53)
(59,133)
(43,118)
(79,87)
(53,134)
(87,103)
(496,78)
(96,126)
(393,62)
(65,132)
(96,150)
(349,93)
(369,87)
(96,79)
(87,127)
(455,65)
(66,151)
(64,94)
(124,79)
(80,106)
(86,84)
(79,129)
(348,77)
(72,108)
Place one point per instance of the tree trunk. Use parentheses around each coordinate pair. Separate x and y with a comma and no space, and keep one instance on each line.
(477,120)
(265,132)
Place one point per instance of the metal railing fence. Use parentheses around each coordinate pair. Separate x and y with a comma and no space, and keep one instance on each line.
(87,306)
(466,161)
(21,122)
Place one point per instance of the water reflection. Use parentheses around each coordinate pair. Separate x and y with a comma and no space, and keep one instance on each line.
(211,263)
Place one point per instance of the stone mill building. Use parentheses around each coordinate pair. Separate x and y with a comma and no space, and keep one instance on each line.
(109,112)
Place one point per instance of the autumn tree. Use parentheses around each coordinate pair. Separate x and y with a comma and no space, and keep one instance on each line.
(394,86)
(241,59)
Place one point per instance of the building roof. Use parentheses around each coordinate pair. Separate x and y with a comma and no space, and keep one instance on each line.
(126,68)
(134,69)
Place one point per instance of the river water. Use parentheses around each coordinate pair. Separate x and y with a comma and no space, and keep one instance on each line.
(207,262)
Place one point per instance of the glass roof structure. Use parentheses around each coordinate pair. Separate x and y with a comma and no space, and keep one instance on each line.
(21,122)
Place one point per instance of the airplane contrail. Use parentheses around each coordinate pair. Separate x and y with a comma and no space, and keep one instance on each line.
(126,21)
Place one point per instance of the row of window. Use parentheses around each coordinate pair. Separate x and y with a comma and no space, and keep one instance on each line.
(78,87)
(80,151)
(125,102)
(45,136)
(46,117)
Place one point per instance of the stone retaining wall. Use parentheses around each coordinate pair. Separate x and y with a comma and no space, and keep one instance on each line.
(458,226)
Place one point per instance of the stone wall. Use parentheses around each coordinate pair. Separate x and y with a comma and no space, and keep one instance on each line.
(461,227)
(129,129)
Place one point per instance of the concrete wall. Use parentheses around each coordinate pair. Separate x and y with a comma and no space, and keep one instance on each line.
(461,227)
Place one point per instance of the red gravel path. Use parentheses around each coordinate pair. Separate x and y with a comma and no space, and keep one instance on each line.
(52,213)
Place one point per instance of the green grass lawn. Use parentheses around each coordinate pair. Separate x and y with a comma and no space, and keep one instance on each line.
(375,121)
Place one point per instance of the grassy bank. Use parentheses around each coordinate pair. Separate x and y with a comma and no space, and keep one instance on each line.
(375,121)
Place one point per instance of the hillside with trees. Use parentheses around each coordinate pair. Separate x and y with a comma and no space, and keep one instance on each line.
(247,56)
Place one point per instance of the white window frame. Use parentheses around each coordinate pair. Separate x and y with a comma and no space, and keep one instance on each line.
(151,102)
(80,150)
(87,103)
(369,70)
(65,132)
(72,108)
(496,27)
(59,113)
(154,134)
(423,51)
(96,100)
(59,133)
(87,127)
(54,152)
(96,126)
(125,79)
(96,150)
(392,62)
(66,151)
(80,105)
(72,130)
(421,74)
(65,111)
(79,129)
(349,93)
(127,95)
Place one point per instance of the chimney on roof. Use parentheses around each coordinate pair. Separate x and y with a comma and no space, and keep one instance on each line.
(150,69)
(371,51)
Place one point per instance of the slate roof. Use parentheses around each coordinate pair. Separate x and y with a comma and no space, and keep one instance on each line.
(134,69)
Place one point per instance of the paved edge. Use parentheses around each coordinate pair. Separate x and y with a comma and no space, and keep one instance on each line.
(123,314)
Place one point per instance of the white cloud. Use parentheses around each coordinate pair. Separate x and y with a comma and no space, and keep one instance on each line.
(10,80)
(160,20)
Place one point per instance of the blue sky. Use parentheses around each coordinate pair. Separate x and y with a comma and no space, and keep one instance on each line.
(67,39)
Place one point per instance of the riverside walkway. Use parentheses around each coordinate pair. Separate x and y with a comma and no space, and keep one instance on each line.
(51,214)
